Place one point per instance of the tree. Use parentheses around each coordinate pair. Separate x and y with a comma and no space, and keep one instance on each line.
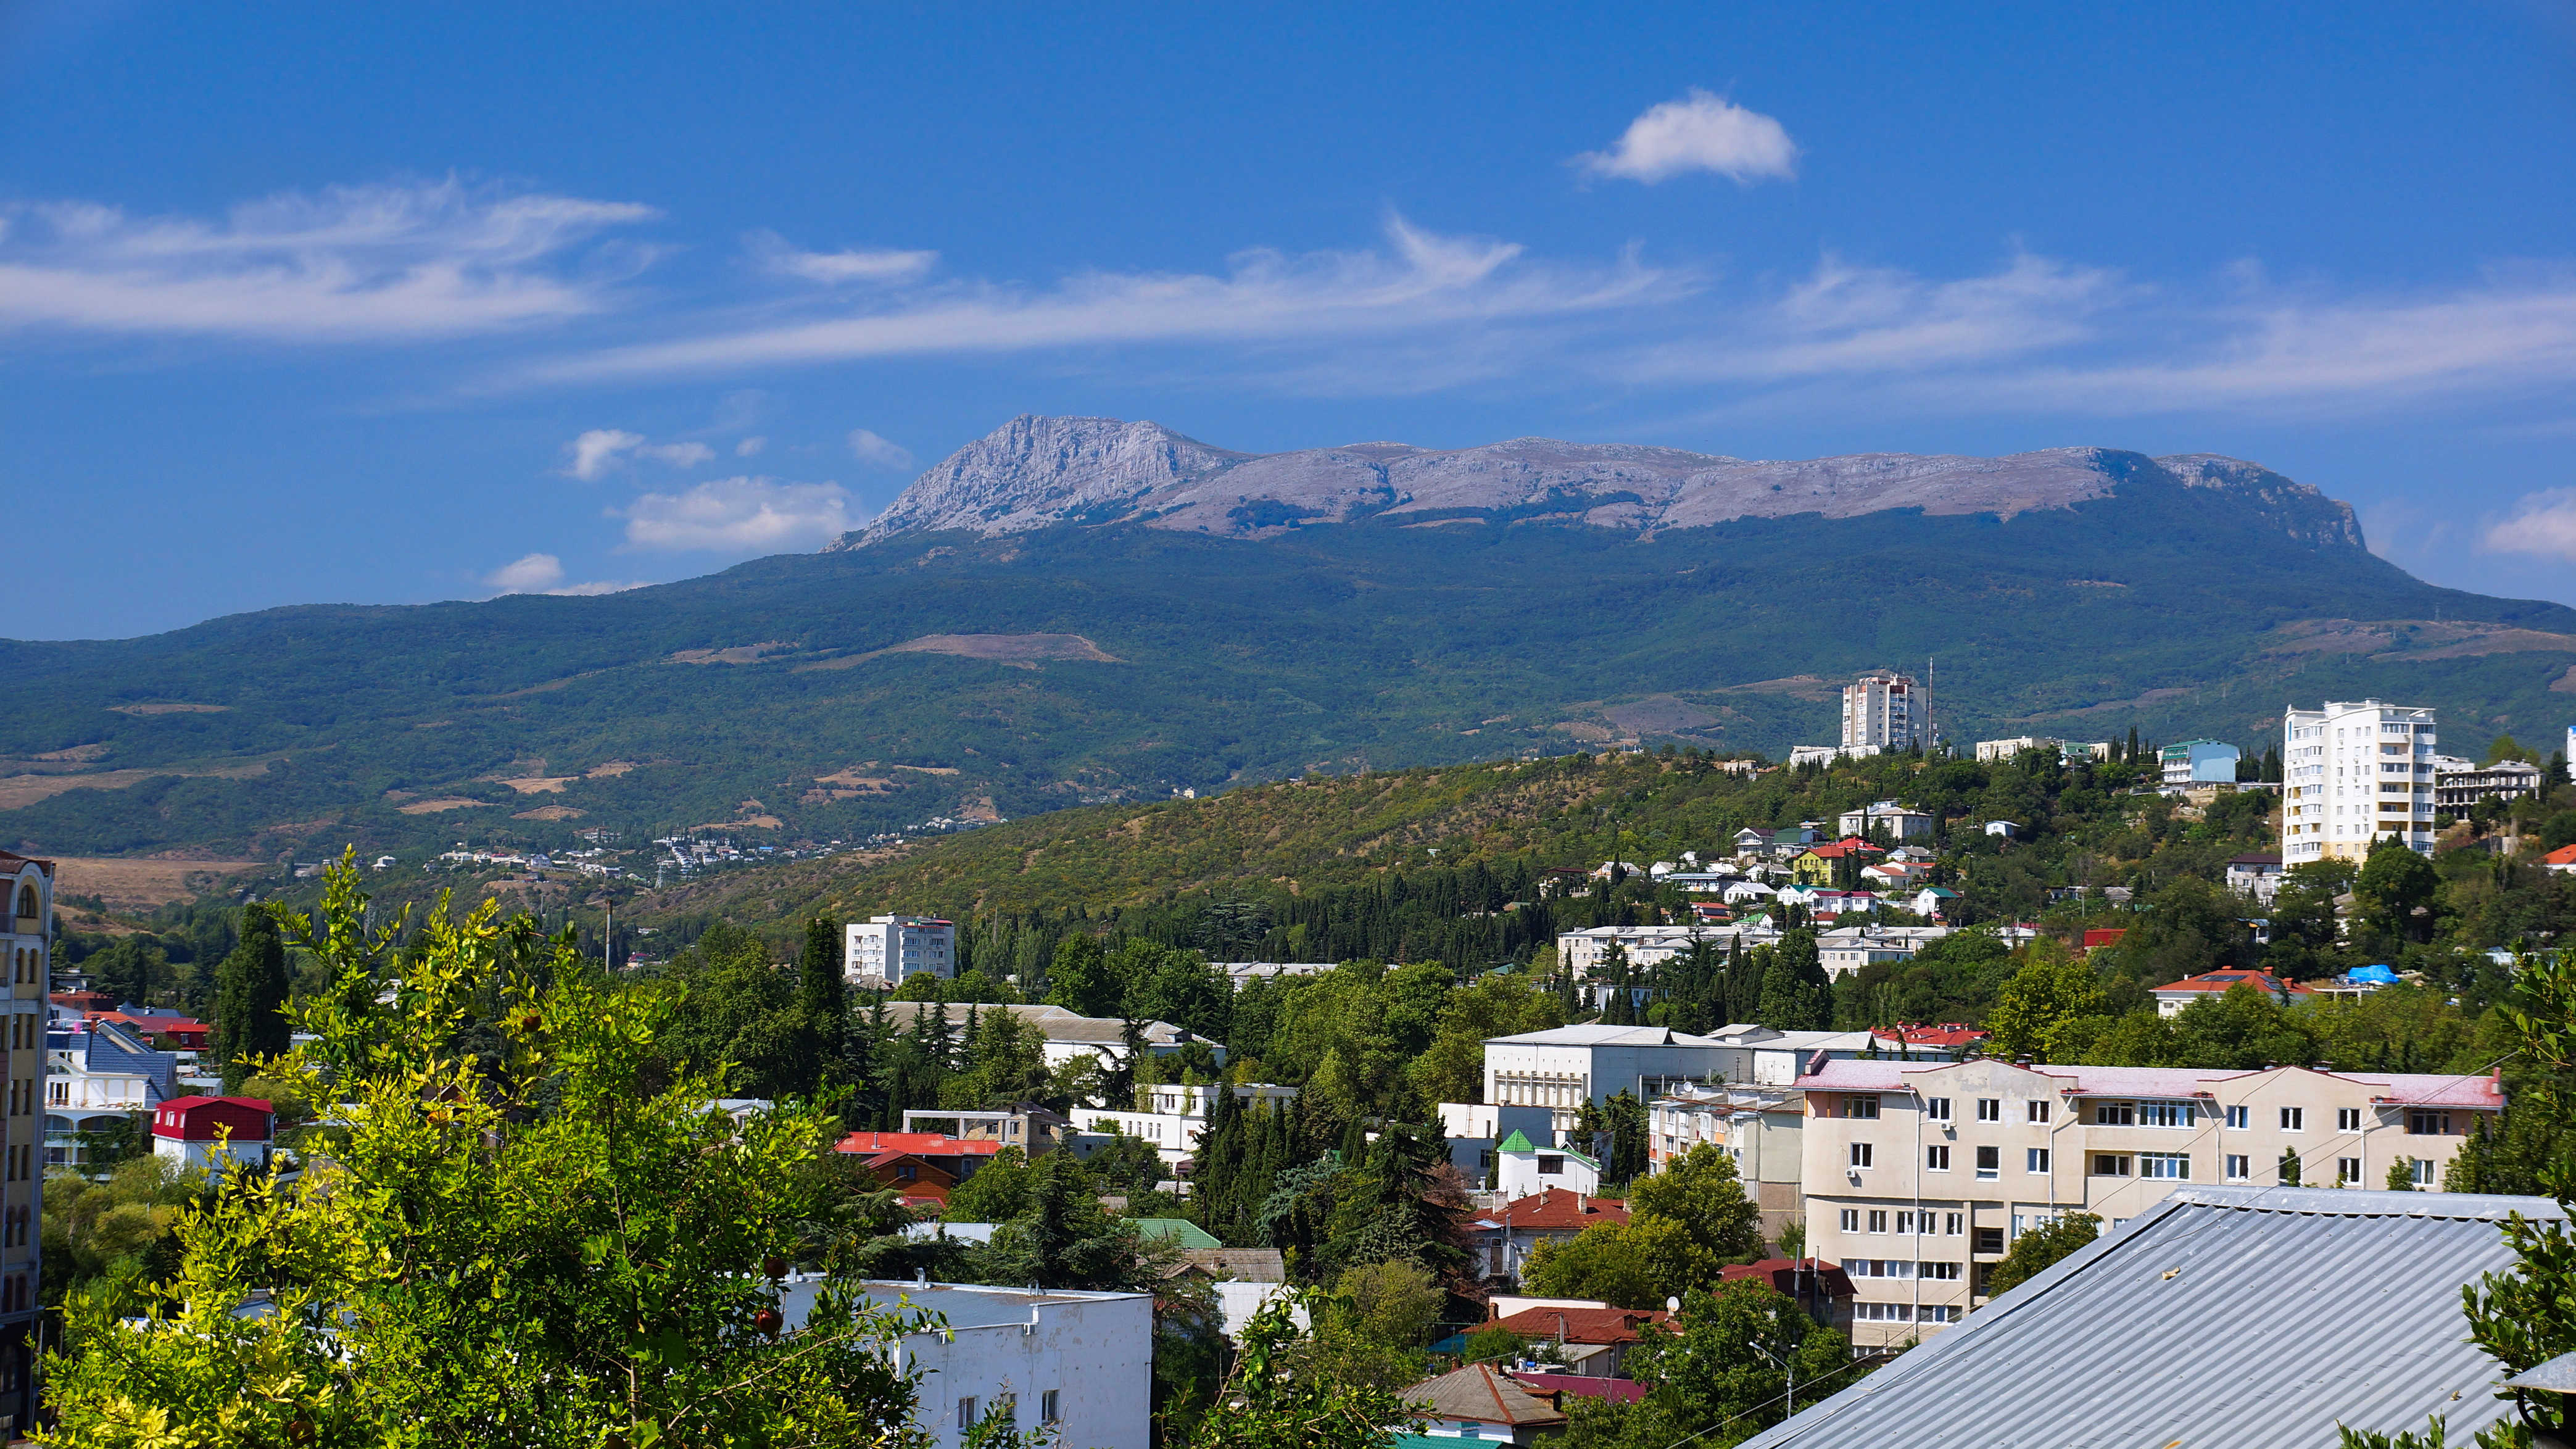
(1627,1118)
(1610,1262)
(2393,897)
(1723,1377)
(2289,1167)
(2401,1176)
(250,998)
(1797,995)
(1452,1067)
(2041,1245)
(823,996)
(1702,1191)
(1079,979)
(2046,1003)
(569,1246)
(1267,1402)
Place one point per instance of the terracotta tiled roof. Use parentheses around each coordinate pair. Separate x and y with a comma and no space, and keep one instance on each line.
(1557,1208)
(2563,855)
(1583,1386)
(1581,1325)
(1479,1393)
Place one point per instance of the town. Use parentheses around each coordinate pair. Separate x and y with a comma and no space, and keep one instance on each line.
(1678,1171)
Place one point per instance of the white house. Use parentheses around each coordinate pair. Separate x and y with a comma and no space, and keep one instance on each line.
(96,1080)
(1176,1116)
(1525,1169)
(1898,821)
(2255,875)
(1067,1034)
(1079,1366)
(883,951)
(2199,762)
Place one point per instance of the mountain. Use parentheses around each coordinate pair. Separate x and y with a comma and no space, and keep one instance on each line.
(1081,610)
(1038,472)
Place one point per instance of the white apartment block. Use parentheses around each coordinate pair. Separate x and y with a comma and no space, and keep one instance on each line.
(1918,1177)
(884,950)
(1172,1117)
(1567,1066)
(2352,773)
(1886,710)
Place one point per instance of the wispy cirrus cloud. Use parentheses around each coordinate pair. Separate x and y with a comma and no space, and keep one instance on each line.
(1419,280)
(774,253)
(2542,523)
(343,265)
(600,451)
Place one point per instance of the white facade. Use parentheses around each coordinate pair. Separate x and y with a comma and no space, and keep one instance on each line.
(2198,762)
(1886,710)
(1899,822)
(1527,1174)
(1177,1116)
(211,1157)
(1994,751)
(1078,1364)
(884,950)
(2353,773)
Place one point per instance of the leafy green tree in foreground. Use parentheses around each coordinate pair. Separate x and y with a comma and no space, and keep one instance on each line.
(2034,1251)
(1269,1403)
(1722,1377)
(568,1249)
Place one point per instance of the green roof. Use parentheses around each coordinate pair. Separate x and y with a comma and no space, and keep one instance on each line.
(1190,1233)
(1517,1143)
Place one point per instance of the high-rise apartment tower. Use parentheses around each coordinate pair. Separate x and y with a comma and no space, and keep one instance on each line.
(2353,773)
(1886,710)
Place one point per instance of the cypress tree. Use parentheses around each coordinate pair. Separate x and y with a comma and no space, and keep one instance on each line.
(823,998)
(250,997)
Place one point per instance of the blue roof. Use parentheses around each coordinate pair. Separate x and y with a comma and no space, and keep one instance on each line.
(2380,974)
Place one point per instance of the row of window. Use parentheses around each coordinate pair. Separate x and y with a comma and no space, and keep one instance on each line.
(971,1410)
(1900,1268)
(1908,1224)
(2167,1166)
(1905,1313)
(1864,1107)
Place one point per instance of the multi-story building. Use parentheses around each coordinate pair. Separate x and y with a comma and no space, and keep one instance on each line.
(2353,773)
(2199,762)
(2458,784)
(1171,1117)
(1757,1127)
(1918,1177)
(28,885)
(1886,710)
(883,951)
(100,1079)
(1900,823)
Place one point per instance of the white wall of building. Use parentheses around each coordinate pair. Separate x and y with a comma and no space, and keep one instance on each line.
(883,950)
(1885,710)
(2352,773)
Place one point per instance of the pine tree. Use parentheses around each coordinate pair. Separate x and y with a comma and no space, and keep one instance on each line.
(250,997)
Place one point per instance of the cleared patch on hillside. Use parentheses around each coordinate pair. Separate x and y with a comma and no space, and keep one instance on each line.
(146,882)
(78,754)
(169,707)
(735,654)
(1795,686)
(1022,651)
(2406,640)
(19,791)
(433,807)
(549,812)
(541,784)
(610,771)
(2150,697)
(1658,714)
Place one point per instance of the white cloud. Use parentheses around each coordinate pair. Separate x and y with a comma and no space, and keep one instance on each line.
(738,515)
(347,264)
(531,573)
(876,452)
(596,587)
(1422,281)
(596,451)
(680,455)
(2543,523)
(773,252)
(750,447)
(1700,132)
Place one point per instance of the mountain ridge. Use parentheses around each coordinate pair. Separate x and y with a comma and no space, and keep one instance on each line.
(1040,472)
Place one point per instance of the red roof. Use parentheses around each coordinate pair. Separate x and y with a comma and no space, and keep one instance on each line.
(1582,1386)
(1557,1208)
(1947,1034)
(196,1119)
(2218,981)
(2104,936)
(2563,855)
(1794,1276)
(1580,1325)
(1849,845)
(918,1144)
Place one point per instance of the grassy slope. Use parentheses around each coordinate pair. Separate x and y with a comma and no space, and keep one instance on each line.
(1366,644)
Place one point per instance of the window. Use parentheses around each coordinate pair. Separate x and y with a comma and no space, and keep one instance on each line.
(2428,1124)
(2240,1119)
(1883,1312)
(2347,1169)
(1937,1157)
(1947,1272)
(1551,1164)
(1862,1106)
(1937,1313)
(1953,1224)
(1046,1407)
(1851,1220)
(966,1413)
(2294,1119)
(2167,1114)
(2240,1168)
(1905,1225)
(1990,1161)
(2347,1119)
(1878,1220)
(1990,1240)
(1008,1406)
(2035,1160)
(1990,1109)
(2174,1165)
(2038,1110)
(1937,1108)
(2111,1164)
(2421,1170)
(1860,1154)
(2115,1114)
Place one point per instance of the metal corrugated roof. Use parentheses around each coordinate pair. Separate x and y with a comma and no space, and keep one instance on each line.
(2225,1316)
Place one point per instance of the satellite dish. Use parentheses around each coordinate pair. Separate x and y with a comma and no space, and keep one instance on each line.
(1672,1305)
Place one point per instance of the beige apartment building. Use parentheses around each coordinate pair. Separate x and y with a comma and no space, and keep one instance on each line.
(28,888)
(1918,1176)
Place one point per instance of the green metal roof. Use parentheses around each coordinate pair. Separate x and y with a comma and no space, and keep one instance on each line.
(1191,1235)
(1517,1143)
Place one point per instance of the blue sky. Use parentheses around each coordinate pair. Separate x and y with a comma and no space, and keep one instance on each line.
(306,303)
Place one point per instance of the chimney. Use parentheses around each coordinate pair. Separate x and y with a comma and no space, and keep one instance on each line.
(1582,1202)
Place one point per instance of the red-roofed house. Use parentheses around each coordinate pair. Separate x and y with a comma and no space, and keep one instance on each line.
(1505,1235)
(956,1158)
(2173,997)
(153,1025)
(2101,936)
(1593,1342)
(1948,1036)
(195,1131)
(2562,860)
(1481,1404)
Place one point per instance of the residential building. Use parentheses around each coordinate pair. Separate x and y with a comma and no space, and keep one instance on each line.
(1827,754)
(205,1133)
(1567,1066)
(1899,822)
(1174,1116)
(882,952)
(1482,1404)
(1066,1035)
(1504,1236)
(1937,902)
(1031,1128)
(1822,1289)
(1590,1340)
(1947,1041)
(2459,785)
(1245,1280)
(1476,1132)
(1991,752)
(2255,875)
(101,1079)
(1918,1177)
(1885,710)
(1077,1367)
(1587,951)
(1756,1127)
(923,1165)
(2323,1310)
(1779,844)
(2353,773)
(1846,949)
(28,885)
(2173,996)
(2199,762)
(1523,1168)
(2562,860)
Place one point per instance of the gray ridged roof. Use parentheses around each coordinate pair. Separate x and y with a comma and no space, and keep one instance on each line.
(2225,1316)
